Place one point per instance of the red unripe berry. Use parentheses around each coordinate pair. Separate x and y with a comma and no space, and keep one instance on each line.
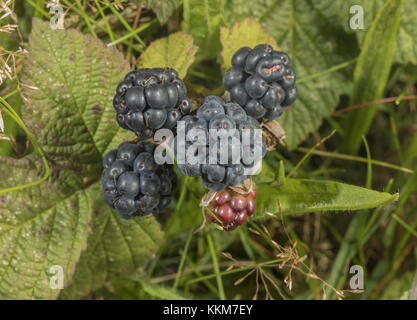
(222,197)
(225,214)
(251,206)
(238,203)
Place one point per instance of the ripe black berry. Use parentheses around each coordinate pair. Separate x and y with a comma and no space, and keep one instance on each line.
(150,99)
(221,158)
(133,183)
(262,81)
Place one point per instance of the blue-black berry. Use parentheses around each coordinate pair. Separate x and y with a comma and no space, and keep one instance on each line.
(262,81)
(150,99)
(133,183)
(218,138)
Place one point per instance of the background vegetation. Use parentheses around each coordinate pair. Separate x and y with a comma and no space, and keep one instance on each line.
(354,122)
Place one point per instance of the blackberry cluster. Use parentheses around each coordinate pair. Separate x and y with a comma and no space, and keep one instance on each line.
(150,99)
(230,209)
(261,80)
(133,183)
(213,119)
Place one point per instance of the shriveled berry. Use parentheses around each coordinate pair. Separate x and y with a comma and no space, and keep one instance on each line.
(270,69)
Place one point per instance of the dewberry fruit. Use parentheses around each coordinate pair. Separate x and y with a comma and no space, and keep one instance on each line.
(219,139)
(133,183)
(262,81)
(150,99)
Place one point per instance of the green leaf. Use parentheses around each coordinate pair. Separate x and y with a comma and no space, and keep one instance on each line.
(40,227)
(247,32)
(156,292)
(301,29)
(406,47)
(162,8)
(372,71)
(70,81)
(407,33)
(303,196)
(202,19)
(176,51)
(115,247)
